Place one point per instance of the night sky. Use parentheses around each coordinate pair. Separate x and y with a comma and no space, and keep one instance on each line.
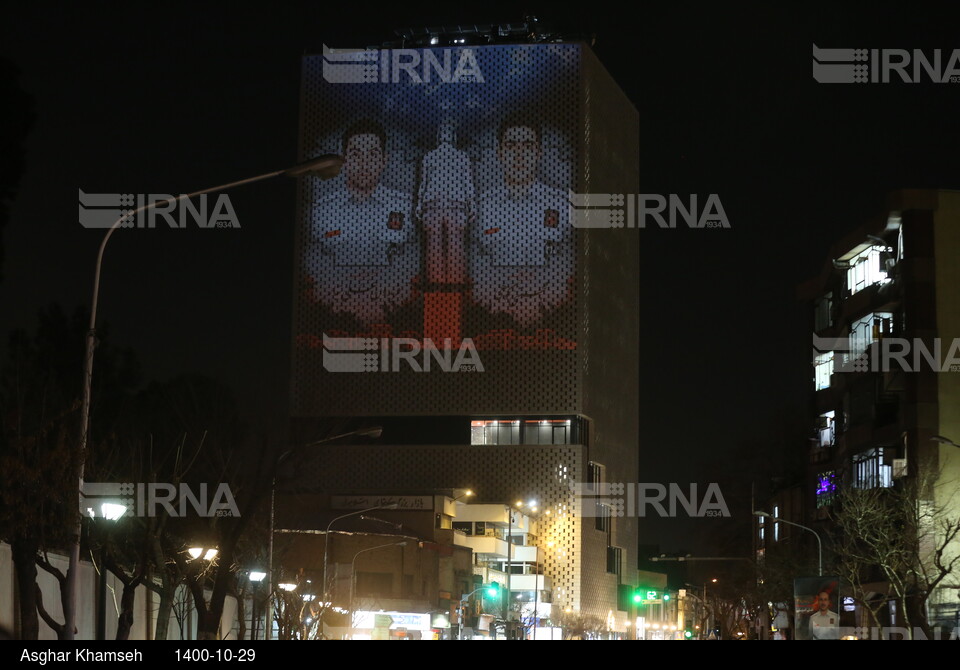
(189,96)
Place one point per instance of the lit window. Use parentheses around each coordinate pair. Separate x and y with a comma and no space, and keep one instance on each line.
(827,429)
(865,270)
(868,330)
(826,488)
(527,431)
(823,368)
(495,432)
(546,431)
(869,470)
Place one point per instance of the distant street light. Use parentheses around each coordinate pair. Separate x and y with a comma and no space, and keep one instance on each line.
(353,574)
(517,506)
(197,552)
(791,523)
(396,526)
(325,167)
(368,431)
(326,545)
(110,512)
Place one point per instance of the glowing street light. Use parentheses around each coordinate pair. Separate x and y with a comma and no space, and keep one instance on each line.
(325,167)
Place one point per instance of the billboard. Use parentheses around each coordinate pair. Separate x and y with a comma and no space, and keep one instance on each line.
(440,267)
(816,604)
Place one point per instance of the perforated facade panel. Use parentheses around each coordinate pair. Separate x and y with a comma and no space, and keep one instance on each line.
(441,275)
(448,227)
(497,474)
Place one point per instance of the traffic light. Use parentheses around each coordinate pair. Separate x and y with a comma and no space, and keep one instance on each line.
(493,590)
(637,597)
(666,596)
(688,634)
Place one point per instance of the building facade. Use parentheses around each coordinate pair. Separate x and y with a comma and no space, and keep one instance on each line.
(886,371)
(490,333)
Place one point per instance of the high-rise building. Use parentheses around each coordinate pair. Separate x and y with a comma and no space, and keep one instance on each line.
(886,381)
(454,287)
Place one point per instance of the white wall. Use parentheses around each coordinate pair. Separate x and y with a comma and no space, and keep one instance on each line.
(145,604)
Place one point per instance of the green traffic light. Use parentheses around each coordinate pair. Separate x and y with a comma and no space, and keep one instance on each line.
(637,598)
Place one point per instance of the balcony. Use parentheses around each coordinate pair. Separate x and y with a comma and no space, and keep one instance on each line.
(484,544)
(526,554)
(488,575)
(530,583)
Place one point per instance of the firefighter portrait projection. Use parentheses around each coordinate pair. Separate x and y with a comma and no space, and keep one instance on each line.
(448,225)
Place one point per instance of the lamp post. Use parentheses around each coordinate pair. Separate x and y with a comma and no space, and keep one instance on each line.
(112,512)
(707,613)
(353,574)
(326,547)
(510,510)
(326,167)
(791,523)
(372,431)
(255,577)
(467,493)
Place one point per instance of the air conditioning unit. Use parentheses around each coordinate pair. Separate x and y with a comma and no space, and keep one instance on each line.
(899,468)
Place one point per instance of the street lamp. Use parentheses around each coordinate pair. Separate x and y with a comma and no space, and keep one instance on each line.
(944,440)
(197,552)
(791,523)
(326,544)
(510,510)
(396,526)
(111,512)
(325,167)
(256,578)
(370,431)
(353,574)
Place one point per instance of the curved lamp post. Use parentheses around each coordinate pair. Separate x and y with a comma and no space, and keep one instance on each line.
(791,523)
(326,545)
(353,574)
(325,167)
(374,432)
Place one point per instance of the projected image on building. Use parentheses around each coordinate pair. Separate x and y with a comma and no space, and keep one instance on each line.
(448,225)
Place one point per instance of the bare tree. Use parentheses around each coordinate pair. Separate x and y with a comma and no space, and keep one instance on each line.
(905,535)
(39,401)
